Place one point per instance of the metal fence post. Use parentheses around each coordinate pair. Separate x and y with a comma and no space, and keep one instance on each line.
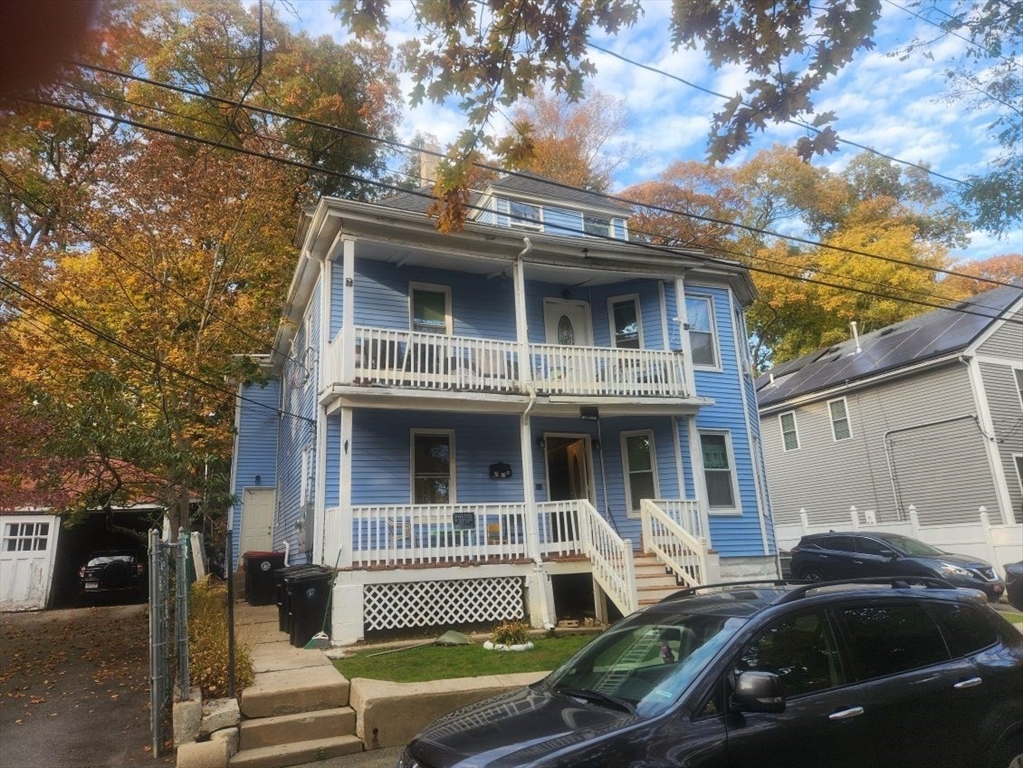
(229,546)
(181,614)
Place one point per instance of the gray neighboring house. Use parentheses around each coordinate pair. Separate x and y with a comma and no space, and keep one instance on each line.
(925,413)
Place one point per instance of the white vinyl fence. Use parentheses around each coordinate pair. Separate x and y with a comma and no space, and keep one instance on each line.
(997,543)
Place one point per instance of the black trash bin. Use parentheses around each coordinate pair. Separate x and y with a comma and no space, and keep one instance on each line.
(260,578)
(283,603)
(308,598)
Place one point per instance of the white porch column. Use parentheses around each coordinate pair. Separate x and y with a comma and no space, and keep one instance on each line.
(345,490)
(528,489)
(347,310)
(683,330)
(699,478)
(521,326)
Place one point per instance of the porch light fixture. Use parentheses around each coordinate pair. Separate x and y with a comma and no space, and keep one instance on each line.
(589,413)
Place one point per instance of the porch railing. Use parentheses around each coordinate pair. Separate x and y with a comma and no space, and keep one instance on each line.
(610,556)
(397,358)
(675,546)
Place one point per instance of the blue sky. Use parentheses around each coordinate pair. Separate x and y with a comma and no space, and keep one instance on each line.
(897,107)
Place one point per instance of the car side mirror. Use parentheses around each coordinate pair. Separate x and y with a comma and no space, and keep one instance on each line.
(757,691)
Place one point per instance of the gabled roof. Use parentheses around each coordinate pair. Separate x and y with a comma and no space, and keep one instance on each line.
(522,184)
(929,336)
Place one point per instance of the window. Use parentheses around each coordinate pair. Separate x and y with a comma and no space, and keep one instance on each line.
(640,469)
(430,307)
(789,435)
(524,215)
(839,419)
(625,325)
(1018,373)
(839,543)
(717,470)
(25,537)
(874,547)
(801,650)
(888,639)
(966,630)
(700,315)
(433,467)
(599,226)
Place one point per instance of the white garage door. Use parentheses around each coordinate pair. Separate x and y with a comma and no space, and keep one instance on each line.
(27,547)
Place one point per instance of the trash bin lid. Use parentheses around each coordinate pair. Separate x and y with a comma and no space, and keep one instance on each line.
(256,555)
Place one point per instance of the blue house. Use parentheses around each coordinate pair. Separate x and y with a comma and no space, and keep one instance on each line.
(538,417)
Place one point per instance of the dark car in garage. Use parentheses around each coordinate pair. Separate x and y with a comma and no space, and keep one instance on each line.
(859,554)
(844,675)
(112,572)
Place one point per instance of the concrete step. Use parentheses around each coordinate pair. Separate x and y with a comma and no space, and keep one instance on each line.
(305,726)
(296,753)
(291,691)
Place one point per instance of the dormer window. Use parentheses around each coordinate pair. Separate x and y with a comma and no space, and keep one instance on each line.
(524,215)
(598,226)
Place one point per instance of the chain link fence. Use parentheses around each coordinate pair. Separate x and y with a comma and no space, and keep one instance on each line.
(168,631)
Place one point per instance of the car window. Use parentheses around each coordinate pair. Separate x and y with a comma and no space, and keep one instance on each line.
(800,650)
(839,543)
(873,547)
(966,630)
(887,639)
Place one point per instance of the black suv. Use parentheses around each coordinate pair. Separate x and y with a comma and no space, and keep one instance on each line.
(765,673)
(852,555)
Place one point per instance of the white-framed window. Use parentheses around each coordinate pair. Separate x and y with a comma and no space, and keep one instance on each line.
(1017,459)
(304,485)
(429,308)
(524,215)
(789,433)
(626,324)
(433,466)
(840,427)
(25,537)
(598,226)
(1018,373)
(640,465)
(702,338)
(718,471)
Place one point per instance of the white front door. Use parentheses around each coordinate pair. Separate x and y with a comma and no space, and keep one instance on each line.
(567,323)
(28,544)
(257,520)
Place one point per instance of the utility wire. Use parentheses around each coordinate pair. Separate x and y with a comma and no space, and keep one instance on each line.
(420,193)
(497,169)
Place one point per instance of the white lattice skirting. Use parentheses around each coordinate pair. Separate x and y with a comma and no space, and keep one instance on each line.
(443,603)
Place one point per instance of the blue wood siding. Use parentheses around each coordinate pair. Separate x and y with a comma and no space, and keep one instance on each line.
(731,535)
(649,302)
(298,433)
(255,445)
(381,455)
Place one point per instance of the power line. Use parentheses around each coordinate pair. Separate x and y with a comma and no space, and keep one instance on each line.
(497,169)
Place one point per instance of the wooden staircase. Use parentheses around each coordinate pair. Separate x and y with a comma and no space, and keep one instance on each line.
(654,582)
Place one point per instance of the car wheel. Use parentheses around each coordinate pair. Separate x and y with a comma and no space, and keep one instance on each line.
(812,573)
(1009,755)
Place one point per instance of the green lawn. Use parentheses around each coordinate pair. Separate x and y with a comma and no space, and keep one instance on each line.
(435,662)
(1015,618)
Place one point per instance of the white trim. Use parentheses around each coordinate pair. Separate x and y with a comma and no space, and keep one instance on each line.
(452,481)
(344,499)
(634,298)
(662,297)
(736,508)
(627,470)
(1017,375)
(1017,462)
(993,327)
(550,302)
(848,419)
(714,335)
(795,430)
(515,222)
(430,288)
(987,428)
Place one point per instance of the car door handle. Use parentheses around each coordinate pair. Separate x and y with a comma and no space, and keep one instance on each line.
(973,682)
(845,714)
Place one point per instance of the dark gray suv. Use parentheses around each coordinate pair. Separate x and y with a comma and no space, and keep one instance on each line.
(774,673)
(856,554)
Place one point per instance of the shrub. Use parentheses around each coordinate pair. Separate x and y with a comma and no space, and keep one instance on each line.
(207,642)
(511,633)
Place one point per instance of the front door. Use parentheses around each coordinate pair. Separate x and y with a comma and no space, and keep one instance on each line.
(568,477)
(257,520)
(567,323)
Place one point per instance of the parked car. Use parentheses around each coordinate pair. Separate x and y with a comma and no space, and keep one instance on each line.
(112,571)
(849,555)
(1014,584)
(854,674)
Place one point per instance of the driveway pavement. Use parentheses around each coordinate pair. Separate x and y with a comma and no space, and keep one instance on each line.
(74,689)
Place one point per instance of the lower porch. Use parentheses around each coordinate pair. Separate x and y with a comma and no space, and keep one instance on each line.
(418,566)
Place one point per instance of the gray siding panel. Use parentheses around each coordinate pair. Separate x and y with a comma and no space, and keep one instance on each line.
(1007,341)
(870,471)
(1003,399)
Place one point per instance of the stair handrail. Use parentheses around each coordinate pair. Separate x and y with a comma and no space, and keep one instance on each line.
(677,548)
(610,557)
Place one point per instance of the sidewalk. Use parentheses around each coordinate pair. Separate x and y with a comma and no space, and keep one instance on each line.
(377,758)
